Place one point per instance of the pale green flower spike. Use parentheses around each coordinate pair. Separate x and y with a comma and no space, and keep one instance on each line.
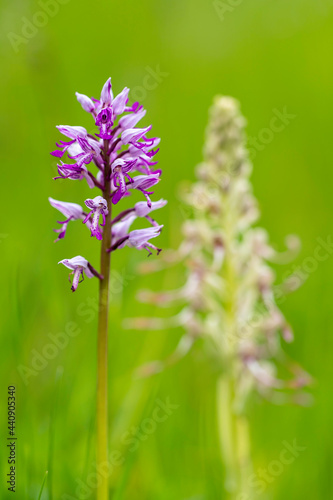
(228,296)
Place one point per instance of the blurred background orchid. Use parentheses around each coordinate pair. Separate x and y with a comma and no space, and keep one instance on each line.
(228,297)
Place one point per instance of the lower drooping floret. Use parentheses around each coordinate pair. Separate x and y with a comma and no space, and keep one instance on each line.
(78,265)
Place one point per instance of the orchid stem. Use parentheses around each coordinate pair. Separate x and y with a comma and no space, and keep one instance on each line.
(232,423)
(102,341)
(234,442)
(226,433)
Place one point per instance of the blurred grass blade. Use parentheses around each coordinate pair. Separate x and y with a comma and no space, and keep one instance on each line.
(52,428)
(41,490)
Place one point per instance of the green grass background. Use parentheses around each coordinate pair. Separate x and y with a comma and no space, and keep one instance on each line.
(267,54)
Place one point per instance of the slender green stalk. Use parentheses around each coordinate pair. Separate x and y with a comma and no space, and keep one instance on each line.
(232,425)
(226,432)
(52,430)
(244,456)
(234,441)
(102,341)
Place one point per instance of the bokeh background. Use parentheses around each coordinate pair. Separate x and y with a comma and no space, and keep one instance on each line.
(270,55)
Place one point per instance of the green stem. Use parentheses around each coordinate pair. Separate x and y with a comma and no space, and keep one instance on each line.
(234,442)
(102,341)
(232,425)
(42,487)
(244,456)
(224,396)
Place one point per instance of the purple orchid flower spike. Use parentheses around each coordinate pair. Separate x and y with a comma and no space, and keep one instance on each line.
(79,265)
(72,211)
(123,157)
(98,206)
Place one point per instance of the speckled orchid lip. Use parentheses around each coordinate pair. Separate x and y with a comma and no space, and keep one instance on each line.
(98,207)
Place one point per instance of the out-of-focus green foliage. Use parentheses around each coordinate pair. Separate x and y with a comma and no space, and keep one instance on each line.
(275,58)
